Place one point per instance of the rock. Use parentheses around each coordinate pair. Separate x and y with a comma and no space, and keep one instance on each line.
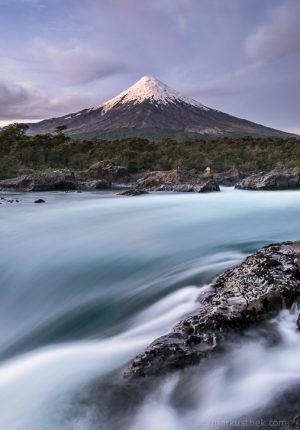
(100,184)
(298,322)
(62,180)
(229,178)
(178,181)
(105,169)
(21,183)
(39,201)
(8,201)
(24,171)
(132,192)
(274,180)
(255,290)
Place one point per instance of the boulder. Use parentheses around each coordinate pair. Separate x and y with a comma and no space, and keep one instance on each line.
(274,180)
(255,290)
(229,178)
(106,170)
(21,183)
(39,201)
(178,181)
(132,192)
(62,180)
(100,184)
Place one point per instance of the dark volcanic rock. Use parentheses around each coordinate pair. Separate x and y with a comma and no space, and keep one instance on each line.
(176,180)
(103,175)
(229,178)
(274,180)
(100,184)
(21,183)
(39,201)
(257,289)
(104,170)
(63,180)
(132,192)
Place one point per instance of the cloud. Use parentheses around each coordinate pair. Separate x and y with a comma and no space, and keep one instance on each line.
(75,64)
(217,88)
(75,54)
(11,95)
(278,36)
(19,101)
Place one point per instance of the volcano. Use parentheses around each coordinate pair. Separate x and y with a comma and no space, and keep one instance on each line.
(150,109)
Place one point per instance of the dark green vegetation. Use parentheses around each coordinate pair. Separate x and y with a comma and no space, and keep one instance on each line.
(55,151)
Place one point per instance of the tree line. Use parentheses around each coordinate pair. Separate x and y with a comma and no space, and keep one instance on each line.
(20,152)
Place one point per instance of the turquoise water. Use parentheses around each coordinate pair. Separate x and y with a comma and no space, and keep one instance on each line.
(88,280)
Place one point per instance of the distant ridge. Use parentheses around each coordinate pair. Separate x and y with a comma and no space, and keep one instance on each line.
(150,109)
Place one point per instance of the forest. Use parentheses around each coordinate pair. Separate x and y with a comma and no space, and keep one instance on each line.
(20,152)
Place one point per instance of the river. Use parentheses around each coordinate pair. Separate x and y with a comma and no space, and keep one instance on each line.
(90,279)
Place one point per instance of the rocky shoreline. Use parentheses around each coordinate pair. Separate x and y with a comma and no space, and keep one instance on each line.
(242,297)
(274,180)
(106,175)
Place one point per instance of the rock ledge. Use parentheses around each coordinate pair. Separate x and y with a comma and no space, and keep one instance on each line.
(255,290)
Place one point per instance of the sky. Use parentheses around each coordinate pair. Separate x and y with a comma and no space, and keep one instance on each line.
(239,56)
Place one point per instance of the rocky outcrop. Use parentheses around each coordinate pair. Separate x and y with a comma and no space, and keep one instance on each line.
(257,289)
(62,180)
(103,170)
(229,178)
(176,180)
(100,184)
(274,180)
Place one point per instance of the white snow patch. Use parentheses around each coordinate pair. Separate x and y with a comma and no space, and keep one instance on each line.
(152,90)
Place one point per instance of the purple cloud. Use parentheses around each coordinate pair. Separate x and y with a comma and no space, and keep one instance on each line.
(278,36)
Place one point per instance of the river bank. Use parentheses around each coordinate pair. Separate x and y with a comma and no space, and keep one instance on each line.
(106,175)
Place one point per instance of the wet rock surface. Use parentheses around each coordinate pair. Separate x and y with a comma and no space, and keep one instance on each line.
(274,180)
(257,289)
(177,181)
(62,180)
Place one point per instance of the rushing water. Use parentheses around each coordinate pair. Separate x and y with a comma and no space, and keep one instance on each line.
(88,280)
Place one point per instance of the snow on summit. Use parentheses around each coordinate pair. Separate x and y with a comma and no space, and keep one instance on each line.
(150,109)
(152,90)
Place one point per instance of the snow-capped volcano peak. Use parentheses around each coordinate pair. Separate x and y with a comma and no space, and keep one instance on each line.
(149,89)
(152,110)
